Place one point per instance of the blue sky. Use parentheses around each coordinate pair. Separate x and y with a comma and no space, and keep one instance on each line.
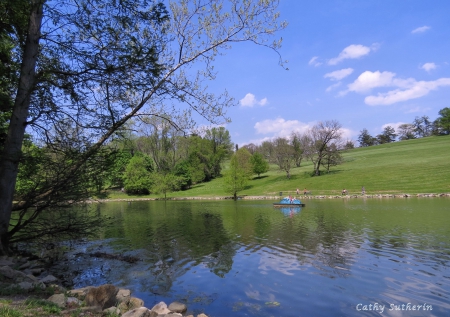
(364,63)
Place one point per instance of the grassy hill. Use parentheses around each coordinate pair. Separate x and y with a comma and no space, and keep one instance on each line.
(413,166)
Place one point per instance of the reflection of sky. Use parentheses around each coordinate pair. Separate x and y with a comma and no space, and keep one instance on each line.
(283,263)
(315,264)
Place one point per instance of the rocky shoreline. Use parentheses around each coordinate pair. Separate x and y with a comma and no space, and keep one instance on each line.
(25,276)
(284,193)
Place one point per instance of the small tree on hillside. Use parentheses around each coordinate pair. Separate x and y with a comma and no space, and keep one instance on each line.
(138,175)
(387,136)
(365,139)
(406,131)
(284,155)
(165,183)
(321,136)
(243,157)
(443,122)
(235,178)
(259,164)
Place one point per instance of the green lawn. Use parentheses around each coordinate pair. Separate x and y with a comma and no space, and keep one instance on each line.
(413,166)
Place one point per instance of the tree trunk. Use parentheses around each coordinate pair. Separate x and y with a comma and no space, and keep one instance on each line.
(9,162)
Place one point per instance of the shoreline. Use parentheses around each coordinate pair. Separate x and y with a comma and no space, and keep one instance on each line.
(269,197)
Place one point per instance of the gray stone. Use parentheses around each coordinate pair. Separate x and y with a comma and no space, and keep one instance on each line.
(135,303)
(72,302)
(173,315)
(33,278)
(49,279)
(202,315)
(8,272)
(24,266)
(123,296)
(177,307)
(160,309)
(103,296)
(25,286)
(36,271)
(58,299)
(111,310)
(138,312)
(80,293)
(6,262)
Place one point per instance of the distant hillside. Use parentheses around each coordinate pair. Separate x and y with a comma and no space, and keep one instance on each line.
(413,166)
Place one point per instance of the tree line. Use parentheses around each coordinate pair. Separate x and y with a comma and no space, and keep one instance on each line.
(419,128)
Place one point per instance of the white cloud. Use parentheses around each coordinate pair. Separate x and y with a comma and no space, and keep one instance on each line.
(421,29)
(428,66)
(334,86)
(249,101)
(339,74)
(368,80)
(280,127)
(313,61)
(393,125)
(417,90)
(405,89)
(351,52)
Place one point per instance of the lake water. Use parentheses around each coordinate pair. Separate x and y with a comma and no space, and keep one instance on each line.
(331,258)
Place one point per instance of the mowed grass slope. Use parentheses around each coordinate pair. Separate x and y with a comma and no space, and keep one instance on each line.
(413,166)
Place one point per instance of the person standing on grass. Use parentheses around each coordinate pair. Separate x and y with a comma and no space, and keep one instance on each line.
(363,190)
(305,192)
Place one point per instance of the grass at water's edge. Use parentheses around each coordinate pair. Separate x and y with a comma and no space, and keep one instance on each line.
(409,167)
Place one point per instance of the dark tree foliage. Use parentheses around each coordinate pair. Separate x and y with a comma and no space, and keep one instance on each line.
(442,123)
(387,136)
(365,139)
(259,164)
(422,126)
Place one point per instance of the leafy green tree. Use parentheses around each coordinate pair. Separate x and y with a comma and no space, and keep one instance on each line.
(222,147)
(259,164)
(184,173)
(138,175)
(121,158)
(298,147)
(165,183)
(235,178)
(442,123)
(365,139)
(102,63)
(243,157)
(387,136)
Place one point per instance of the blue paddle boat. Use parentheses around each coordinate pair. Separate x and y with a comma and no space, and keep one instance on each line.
(287,202)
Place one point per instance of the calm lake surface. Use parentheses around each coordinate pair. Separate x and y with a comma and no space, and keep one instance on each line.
(331,258)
